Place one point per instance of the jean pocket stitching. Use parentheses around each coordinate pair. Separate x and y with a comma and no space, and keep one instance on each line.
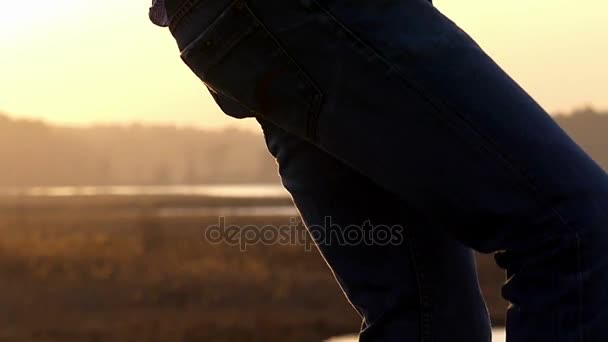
(181,12)
(233,27)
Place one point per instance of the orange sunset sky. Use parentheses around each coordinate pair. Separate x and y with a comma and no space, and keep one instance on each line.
(81,62)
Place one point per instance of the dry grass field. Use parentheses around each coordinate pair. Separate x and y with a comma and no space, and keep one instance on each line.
(113,269)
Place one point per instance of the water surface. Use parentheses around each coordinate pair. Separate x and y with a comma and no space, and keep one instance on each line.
(223,190)
(498,336)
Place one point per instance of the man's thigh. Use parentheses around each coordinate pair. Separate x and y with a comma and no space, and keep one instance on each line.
(405,278)
(399,93)
(396,91)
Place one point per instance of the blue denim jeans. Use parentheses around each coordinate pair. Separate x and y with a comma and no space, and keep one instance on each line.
(385,111)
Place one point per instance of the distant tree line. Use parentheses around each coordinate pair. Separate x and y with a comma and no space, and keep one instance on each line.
(589,128)
(34,153)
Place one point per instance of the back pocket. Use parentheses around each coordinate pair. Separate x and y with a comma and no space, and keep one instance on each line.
(242,63)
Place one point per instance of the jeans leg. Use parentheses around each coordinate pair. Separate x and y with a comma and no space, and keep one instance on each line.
(410,101)
(400,94)
(419,285)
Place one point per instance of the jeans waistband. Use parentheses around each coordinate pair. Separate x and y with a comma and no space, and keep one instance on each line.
(177,9)
(188,18)
(173,6)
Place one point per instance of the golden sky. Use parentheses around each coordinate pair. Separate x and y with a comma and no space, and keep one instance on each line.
(81,62)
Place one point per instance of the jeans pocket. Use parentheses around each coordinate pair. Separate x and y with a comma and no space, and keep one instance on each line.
(240,60)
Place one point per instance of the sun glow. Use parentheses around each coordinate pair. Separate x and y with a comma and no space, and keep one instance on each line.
(19,17)
(83,61)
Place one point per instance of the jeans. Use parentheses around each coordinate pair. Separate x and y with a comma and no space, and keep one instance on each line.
(385,111)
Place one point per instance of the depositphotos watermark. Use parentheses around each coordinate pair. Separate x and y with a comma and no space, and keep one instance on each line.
(328,234)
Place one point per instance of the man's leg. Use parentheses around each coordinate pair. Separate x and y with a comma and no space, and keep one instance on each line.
(408,281)
(396,91)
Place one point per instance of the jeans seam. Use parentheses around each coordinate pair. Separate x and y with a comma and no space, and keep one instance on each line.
(314,106)
(425,299)
(487,144)
(181,12)
(314,102)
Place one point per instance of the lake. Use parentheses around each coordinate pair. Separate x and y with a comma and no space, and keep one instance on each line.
(498,336)
(219,190)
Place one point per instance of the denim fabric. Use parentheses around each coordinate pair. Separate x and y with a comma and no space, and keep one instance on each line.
(386,109)
(421,286)
(158,13)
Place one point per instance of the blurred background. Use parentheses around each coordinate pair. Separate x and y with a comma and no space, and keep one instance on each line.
(114,160)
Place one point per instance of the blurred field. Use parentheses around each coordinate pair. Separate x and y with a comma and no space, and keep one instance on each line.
(112,269)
